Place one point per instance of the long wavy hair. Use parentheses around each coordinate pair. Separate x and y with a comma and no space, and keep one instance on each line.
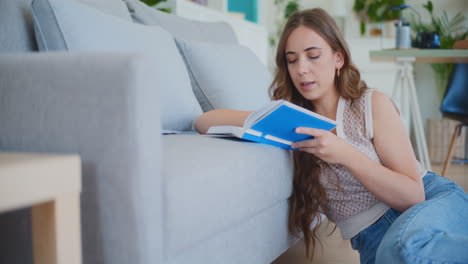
(308,198)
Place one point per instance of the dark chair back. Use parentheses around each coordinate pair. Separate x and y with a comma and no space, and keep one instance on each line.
(455,102)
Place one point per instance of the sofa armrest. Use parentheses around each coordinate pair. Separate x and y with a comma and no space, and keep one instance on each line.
(104,107)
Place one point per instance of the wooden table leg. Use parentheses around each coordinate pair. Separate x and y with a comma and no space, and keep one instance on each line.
(56,231)
(451,149)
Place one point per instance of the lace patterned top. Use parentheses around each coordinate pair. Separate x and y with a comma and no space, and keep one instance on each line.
(352,207)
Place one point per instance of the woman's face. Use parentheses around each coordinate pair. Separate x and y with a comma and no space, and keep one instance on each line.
(311,63)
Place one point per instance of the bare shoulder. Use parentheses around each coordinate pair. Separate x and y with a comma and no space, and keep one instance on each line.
(379,97)
(382,104)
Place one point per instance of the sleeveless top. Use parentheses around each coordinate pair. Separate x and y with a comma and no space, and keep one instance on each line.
(351,206)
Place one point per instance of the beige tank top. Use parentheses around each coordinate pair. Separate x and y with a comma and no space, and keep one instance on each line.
(352,207)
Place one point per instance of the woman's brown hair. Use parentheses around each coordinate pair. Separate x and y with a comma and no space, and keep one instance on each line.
(308,198)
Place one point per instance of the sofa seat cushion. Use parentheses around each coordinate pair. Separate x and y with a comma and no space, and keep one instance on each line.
(72,26)
(214,184)
(226,76)
(179,27)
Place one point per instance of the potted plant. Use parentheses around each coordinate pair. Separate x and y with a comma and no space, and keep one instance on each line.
(449,31)
(375,11)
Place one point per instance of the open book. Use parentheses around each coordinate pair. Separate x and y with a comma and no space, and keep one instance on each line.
(275,125)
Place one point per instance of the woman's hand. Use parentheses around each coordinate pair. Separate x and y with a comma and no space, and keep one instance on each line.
(325,145)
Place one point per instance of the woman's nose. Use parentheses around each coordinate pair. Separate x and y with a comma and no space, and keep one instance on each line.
(302,67)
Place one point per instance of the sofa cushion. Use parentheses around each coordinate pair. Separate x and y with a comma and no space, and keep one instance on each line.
(16,26)
(213,184)
(180,27)
(226,76)
(261,239)
(65,25)
(117,8)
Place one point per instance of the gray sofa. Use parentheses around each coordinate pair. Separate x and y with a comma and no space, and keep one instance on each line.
(90,78)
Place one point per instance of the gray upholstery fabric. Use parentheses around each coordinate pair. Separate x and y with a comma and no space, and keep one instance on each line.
(179,27)
(63,25)
(112,7)
(100,106)
(16,27)
(239,180)
(259,239)
(226,76)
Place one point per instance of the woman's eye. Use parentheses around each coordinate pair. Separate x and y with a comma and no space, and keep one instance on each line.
(314,57)
(291,61)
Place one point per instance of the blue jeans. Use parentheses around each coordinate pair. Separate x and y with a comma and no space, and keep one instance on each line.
(434,231)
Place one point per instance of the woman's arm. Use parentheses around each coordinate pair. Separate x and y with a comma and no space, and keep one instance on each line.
(397,183)
(220,117)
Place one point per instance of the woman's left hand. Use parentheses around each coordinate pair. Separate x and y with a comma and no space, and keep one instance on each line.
(325,145)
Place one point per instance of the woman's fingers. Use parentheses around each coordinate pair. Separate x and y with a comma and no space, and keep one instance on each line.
(310,131)
(310,150)
(308,143)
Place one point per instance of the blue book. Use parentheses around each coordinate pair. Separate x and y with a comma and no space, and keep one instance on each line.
(275,125)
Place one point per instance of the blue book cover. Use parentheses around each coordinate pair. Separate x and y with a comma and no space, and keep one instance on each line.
(275,125)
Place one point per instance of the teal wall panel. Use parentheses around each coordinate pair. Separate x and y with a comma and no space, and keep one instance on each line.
(248,7)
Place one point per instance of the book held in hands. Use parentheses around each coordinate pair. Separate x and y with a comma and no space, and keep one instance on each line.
(275,125)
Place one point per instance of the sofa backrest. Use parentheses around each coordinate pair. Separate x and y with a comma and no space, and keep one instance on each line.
(223,73)
(75,27)
(16,27)
(182,28)
(16,22)
(180,106)
(112,7)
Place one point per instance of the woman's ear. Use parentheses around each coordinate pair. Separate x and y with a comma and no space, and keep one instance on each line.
(339,59)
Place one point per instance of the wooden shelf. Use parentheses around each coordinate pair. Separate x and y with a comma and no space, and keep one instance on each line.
(422,55)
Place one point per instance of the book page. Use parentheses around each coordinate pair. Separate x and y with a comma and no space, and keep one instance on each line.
(306,111)
(224,130)
(262,112)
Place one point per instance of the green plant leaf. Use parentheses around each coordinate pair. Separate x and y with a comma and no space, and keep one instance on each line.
(429,6)
(359,5)
(362,27)
(279,2)
(376,10)
(167,10)
(457,23)
(272,41)
(291,7)
(152,2)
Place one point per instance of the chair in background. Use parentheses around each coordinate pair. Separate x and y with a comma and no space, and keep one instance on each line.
(455,106)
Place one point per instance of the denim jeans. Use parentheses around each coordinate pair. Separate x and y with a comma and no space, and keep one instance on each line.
(434,231)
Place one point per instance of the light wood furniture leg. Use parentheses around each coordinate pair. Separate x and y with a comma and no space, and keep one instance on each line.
(451,149)
(56,231)
(409,107)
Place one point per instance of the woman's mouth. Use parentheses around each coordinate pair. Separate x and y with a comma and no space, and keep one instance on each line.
(307,86)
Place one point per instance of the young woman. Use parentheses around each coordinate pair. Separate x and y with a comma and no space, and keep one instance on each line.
(364,175)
